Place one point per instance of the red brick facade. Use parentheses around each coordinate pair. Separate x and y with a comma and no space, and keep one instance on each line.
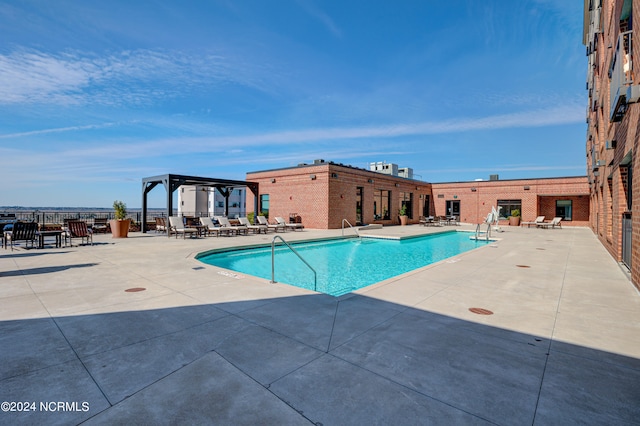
(324,194)
(538,197)
(613,127)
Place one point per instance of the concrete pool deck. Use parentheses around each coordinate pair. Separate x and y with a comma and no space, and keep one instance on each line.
(202,345)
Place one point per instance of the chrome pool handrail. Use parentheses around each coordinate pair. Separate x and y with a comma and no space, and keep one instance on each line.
(354,229)
(273,255)
(486,233)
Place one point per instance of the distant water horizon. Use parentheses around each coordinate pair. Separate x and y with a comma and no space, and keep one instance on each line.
(62,209)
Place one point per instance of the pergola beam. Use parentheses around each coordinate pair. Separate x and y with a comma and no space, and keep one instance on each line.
(172,182)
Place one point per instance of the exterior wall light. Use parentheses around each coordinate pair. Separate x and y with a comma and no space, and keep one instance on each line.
(473,189)
(313,177)
(370,180)
(526,188)
(334,175)
(273,181)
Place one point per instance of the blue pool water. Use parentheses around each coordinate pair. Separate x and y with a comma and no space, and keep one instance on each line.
(343,265)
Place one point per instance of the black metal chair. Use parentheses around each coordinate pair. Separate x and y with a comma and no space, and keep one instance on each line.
(21,231)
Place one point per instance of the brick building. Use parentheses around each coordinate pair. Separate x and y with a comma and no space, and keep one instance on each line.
(567,197)
(613,132)
(324,193)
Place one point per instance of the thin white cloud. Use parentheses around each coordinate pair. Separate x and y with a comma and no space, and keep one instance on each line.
(566,114)
(58,130)
(314,11)
(77,78)
(524,168)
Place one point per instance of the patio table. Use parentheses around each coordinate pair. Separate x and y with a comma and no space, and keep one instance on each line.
(53,233)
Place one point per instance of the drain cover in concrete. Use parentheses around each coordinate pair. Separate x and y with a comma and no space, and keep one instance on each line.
(480,311)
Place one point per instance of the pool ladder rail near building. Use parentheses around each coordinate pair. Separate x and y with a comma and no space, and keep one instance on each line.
(350,226)
(489,221)
(479,232)
(273,256)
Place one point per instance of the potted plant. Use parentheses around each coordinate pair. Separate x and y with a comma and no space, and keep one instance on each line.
(119,225)
(403,215)
(514,219)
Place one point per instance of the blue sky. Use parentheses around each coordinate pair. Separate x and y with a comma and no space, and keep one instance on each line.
(97,95)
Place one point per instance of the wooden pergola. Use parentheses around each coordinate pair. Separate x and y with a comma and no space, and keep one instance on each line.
(172,182)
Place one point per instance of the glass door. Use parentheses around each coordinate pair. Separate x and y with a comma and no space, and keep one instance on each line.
(425,208)
(453,208)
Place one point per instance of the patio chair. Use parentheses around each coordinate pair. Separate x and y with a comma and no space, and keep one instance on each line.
(224,223)
(255,228)
(294,226)
(100,225)
(426,221)
(444,220)
(539,219)
(275,227)
(79,229)
(161,224)
(21,231)
(177,227)
(210,228)
(555,222)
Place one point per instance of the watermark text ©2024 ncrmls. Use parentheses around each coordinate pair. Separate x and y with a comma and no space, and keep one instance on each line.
(46,406)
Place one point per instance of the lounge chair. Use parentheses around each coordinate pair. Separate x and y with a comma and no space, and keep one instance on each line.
(21,231)
(255,228)
(210,228)
(539,219)
(276,227)
(177,226)
(555,222)
(224,223)
(294,226)
(79,229)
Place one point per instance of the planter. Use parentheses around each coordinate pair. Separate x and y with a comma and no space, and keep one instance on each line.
(514,221)
(119,228)
(403,220)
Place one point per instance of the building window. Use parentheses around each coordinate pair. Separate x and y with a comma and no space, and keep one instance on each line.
(406,201)
(264,204)
(220,203)
(628,182)
(505,207)
(359,198)
(381,206)
(563,209)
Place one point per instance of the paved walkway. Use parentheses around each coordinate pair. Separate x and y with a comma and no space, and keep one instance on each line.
(202,346)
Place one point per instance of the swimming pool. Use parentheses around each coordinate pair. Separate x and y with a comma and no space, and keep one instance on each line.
(343,265)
